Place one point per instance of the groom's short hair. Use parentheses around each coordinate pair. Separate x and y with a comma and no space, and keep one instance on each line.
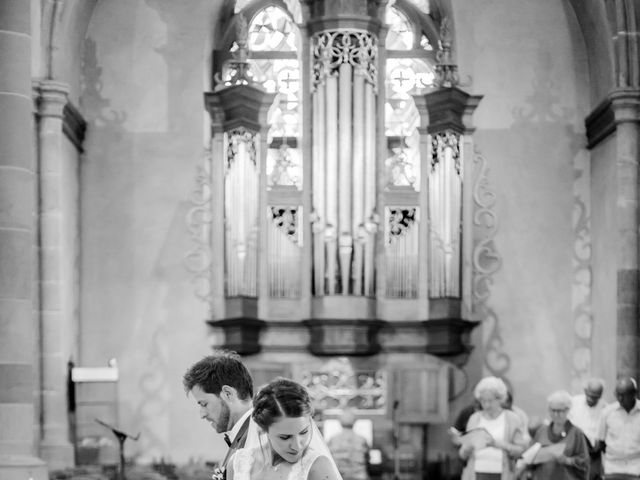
(223,367)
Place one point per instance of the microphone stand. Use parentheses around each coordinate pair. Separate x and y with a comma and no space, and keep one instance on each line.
(396,440)
(121,436)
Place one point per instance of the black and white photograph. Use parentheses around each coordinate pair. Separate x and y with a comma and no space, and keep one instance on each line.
(319,239)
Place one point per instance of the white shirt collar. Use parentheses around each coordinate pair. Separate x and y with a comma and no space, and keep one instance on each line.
(636,406)
(238,425)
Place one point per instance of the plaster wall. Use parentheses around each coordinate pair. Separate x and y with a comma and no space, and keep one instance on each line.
(143,100)
(591,17)
(67,46)
(144,66)
(605,246)
(530,131)
(70,252)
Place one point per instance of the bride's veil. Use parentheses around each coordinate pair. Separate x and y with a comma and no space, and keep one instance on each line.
(257,439)
(318,444)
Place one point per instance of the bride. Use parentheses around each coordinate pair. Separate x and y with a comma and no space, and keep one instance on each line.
(289,446)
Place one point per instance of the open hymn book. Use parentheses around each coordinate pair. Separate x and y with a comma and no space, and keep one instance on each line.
(476,438)
(537,453)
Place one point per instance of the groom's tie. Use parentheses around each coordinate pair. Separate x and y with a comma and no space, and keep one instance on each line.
(227,439)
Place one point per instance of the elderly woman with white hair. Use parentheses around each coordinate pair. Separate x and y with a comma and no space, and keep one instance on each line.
(495,458)
(569,457)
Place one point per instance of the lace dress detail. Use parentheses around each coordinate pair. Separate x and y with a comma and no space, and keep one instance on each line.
(300,470)
(244,462)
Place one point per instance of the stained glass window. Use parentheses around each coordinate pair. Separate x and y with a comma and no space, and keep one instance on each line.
(400,35)
(273,46)
(423,5)
(273,37)
(406,76)
(272,30)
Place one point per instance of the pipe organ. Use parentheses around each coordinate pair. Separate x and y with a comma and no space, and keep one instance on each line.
(344,96)
(337,167)
(241,204)
(338,197)
(445,214)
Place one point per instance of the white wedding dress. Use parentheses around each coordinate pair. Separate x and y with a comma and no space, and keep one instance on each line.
(251,464)
(254,462)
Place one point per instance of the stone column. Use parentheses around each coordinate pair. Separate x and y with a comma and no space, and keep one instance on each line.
(17,213)
(626,108)
(55,447)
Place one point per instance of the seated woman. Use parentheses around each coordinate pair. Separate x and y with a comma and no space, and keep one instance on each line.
(493,459)
(290,446)
(564,452)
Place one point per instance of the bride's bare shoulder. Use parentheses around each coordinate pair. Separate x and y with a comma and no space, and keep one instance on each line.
(322,469)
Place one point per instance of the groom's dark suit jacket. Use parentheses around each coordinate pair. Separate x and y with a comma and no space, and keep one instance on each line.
(238,442)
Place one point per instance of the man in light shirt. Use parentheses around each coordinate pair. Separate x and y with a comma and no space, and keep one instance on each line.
(620,432)
(586,413)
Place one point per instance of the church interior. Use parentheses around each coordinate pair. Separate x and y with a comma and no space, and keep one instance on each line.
(385,200)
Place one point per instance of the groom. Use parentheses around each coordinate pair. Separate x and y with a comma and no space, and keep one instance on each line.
(223,388)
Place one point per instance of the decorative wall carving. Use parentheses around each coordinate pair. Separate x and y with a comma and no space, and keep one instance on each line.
(198,258)
(486,262)
(153,385)
(581,264)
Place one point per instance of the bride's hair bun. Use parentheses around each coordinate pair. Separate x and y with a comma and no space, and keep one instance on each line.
(281,397)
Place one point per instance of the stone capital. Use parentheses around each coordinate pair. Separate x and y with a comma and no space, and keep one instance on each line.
(51,97)
(626,105)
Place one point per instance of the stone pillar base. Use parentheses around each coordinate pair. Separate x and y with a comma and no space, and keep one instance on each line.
(58,456)
(22,467)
